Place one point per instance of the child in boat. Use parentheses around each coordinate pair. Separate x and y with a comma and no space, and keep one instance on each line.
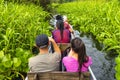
(60,34)
(77,59)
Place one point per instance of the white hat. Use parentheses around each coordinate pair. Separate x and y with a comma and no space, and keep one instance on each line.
(64,18)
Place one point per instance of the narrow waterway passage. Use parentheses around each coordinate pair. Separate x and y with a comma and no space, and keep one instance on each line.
(102,68)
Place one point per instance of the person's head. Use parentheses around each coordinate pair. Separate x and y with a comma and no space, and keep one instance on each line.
(59,17)
(60,26)
(78,47)
(64,18)
(42,41)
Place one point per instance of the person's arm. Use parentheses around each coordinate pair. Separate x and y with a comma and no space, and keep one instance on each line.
(68,26)
(71,30)
(55,46)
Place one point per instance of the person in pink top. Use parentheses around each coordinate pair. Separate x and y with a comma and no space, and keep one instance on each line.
(77,59)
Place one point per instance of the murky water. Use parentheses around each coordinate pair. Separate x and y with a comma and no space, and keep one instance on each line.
(102,68)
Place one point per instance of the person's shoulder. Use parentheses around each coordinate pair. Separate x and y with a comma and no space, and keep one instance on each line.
(90,58)
(56,53)
(66,58)
(32,58)
(55,30)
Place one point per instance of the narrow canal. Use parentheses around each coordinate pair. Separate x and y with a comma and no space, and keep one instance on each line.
(102,67)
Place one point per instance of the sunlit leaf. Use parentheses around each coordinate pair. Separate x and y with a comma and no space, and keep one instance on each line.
(1,54)
(16,62)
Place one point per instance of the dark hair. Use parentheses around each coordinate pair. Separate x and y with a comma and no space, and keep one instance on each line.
(78,47)
(42,41)
(59,17)
(60,26)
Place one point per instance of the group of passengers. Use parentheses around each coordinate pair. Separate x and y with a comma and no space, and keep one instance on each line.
(76,60)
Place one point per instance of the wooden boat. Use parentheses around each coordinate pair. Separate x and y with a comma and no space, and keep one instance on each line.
(59,75)
(62,75)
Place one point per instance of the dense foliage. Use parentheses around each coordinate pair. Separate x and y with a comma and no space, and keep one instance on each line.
(19,25)
(45,4)
(99,18)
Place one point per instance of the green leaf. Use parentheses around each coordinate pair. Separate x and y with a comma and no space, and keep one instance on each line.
(113,47)
(2,77)
(117,75)
(16,62)
(1,54)
(117,60)
(7,62)
(5,59)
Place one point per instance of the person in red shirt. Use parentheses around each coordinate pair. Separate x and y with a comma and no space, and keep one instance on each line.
(66,24)
(60,34)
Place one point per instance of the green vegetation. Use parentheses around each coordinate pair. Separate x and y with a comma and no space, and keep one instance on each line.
(19,25)
(101,19)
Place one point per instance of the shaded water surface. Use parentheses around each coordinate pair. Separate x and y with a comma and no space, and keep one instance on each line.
(102,68)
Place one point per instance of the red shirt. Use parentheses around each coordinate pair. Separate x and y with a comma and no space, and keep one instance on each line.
(66,25)
(57,36)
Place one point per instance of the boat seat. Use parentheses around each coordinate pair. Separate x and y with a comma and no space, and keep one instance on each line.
(58,75)
(63,46)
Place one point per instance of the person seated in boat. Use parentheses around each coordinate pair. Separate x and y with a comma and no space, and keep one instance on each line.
(57,17)
(67,25)
(61,35)
(77,59)
(65,20)
(45,61)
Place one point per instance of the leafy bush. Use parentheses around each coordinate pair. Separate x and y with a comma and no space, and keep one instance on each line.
(117,68)
(19,25)
(99,18)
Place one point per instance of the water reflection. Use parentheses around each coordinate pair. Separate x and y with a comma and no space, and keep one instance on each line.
(103,64)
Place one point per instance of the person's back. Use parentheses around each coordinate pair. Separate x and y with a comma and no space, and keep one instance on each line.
(57,36)
(45,61)
(60,34)
(72,64)
(77,60)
